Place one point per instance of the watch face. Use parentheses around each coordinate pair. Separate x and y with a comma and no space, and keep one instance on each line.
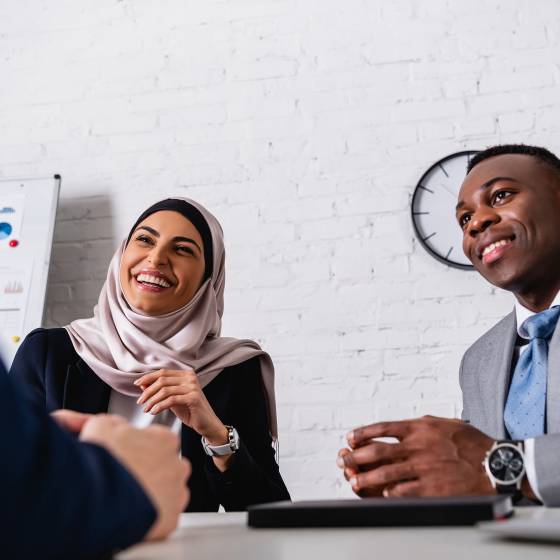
(506,464)
(433,209)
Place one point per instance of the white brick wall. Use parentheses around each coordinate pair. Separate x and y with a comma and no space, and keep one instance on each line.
(304,126)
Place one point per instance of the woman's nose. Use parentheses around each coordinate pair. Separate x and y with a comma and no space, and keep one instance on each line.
(157,256)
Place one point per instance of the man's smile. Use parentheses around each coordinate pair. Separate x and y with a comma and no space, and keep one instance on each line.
(492,250)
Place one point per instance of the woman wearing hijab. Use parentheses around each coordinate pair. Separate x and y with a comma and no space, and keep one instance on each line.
(152,352)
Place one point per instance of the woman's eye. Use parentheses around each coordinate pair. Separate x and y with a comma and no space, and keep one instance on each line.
(144,239)
(184,249)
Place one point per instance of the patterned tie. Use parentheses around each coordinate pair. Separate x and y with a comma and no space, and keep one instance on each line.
(525,407)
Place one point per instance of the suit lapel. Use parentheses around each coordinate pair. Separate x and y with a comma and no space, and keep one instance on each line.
(553,383)
(84,391)
(496,373)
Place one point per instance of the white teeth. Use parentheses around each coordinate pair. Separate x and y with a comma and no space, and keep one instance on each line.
(153,280)
(494,245)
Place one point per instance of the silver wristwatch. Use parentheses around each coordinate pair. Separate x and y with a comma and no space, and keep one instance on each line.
(227,448)
(505,466)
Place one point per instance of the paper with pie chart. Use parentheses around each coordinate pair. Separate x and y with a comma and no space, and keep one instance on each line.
(11,217)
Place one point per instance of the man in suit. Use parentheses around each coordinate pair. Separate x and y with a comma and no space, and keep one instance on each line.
(509,439)
(64,498)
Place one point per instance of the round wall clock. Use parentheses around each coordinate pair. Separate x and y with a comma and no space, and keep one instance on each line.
(433,209)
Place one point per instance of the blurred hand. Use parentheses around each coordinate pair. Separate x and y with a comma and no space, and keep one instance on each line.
(432,457)
(70,420)
(152,456)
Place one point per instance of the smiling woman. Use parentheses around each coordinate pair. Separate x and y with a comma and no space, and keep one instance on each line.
(163,264)
(153,353)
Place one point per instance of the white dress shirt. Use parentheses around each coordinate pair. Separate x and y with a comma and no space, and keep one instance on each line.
(522,314)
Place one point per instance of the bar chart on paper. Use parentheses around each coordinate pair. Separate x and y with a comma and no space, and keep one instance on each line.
(27,216)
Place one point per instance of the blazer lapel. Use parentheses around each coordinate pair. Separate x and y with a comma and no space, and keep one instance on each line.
(496,373)
(84,391)
(553,383)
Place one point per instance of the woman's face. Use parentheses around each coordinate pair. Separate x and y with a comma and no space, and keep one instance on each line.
(162,266)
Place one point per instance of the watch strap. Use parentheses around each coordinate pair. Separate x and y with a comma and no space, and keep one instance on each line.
(517,442)
(225,449)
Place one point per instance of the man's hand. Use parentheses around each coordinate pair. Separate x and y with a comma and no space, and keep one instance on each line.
(433,457)
(152,456)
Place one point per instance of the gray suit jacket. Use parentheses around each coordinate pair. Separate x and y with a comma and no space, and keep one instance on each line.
(485,376)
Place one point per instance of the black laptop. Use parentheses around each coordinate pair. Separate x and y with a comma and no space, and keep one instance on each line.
(381,512)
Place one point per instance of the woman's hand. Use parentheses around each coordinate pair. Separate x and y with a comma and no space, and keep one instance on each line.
(180,391)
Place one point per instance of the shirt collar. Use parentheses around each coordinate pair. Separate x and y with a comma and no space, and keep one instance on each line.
(522,313)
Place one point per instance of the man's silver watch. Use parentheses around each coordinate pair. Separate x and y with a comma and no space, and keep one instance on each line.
(505,466)
(227,448)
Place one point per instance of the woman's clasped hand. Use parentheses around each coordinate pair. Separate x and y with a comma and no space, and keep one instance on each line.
(180,392)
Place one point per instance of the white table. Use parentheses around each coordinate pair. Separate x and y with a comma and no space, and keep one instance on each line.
(213,536)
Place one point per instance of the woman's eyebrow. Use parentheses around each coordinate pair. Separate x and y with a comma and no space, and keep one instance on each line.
(155,233)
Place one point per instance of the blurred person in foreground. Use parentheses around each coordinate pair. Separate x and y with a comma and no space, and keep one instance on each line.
(83,486)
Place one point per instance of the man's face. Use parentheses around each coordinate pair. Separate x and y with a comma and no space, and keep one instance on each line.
(509,211)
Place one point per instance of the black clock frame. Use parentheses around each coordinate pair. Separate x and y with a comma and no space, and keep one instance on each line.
(414,195)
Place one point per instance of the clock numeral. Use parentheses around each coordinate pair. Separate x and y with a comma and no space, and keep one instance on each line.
(443,169)
(419,213)
(449,252)
(428,236)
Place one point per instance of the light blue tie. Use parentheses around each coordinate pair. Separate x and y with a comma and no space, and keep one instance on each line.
(526,403)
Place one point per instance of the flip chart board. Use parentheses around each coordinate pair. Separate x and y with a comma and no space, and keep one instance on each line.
(27,217)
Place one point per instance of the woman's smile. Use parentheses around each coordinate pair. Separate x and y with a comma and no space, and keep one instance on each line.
(152,281)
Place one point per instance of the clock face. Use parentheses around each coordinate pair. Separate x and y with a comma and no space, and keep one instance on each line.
(433,209)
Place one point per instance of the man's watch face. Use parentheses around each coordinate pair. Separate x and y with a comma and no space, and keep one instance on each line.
(506,464)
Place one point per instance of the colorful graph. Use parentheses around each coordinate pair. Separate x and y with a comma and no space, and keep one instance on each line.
(5,230)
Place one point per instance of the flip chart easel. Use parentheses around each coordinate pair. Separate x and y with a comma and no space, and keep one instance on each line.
(27,217)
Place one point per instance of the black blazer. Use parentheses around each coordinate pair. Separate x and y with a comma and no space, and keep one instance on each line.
(53,374)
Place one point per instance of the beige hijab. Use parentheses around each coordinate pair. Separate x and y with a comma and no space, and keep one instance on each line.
(120,343)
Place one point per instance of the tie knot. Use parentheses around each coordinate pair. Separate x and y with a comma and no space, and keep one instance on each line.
(540,325)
